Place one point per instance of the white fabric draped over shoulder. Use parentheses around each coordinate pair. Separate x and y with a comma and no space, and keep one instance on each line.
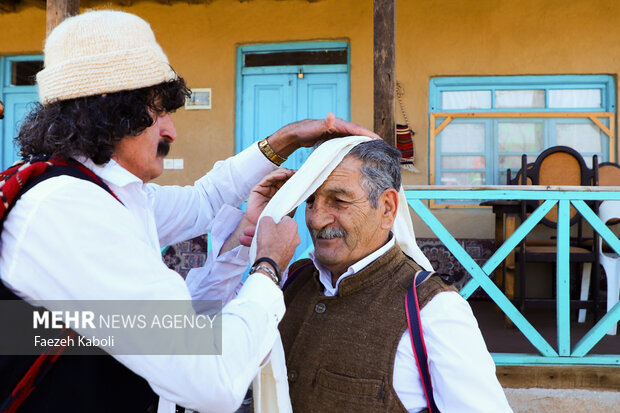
(271,384)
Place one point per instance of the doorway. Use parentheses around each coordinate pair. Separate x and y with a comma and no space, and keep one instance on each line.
(19,92)
(282,83)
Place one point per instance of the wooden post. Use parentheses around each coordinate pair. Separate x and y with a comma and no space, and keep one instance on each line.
(385,68)
(58,10)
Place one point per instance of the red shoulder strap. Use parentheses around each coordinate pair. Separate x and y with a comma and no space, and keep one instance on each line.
(13,183)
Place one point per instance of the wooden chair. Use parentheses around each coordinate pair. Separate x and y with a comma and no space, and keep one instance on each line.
(521,179)
(559,165)
(609,174)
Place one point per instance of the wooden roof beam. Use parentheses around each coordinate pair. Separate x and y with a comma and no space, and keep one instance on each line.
(384,23)
(58,10)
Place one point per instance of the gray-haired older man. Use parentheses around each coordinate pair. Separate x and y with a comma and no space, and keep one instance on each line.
(345,330)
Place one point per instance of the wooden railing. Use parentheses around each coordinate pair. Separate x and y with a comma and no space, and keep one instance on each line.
(564,197)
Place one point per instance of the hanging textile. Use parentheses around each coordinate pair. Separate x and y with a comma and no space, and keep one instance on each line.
(404,135)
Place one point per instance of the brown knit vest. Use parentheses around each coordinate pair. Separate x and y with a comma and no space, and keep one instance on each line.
(340,350)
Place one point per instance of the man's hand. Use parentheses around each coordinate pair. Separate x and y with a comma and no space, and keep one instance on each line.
(307,132)
(262,193)
(259,197)
(277,241)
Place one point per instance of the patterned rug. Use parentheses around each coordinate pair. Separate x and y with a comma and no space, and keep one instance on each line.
(193,253)
(444,262)
(186,255)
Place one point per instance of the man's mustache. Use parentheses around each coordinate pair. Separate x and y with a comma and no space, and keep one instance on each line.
(328,233)
(163,147)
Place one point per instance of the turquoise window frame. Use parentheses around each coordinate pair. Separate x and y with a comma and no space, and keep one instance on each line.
(605,83)
(547,82)
(5,70)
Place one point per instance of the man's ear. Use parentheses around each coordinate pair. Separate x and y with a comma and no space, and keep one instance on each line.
(388,202)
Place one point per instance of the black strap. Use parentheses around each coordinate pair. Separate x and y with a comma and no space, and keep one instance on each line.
(417,338)
(35,373)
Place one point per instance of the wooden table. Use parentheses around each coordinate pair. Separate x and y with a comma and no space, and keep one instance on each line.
(506,213)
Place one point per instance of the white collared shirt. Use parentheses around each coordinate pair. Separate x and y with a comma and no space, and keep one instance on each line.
(461,368)
(67,239)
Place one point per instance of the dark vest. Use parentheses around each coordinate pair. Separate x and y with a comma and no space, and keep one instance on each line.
(340,350)
(98,384)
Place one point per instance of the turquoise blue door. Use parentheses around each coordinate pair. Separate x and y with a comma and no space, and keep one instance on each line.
(17,105)
(18,92)
(273,96)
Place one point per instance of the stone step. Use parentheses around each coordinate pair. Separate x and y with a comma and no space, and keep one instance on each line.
(536,400)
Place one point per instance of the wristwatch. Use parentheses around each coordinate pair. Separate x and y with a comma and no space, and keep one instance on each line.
(269,153)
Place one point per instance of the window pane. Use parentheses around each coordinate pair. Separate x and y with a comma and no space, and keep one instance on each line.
(462,162)
(463,137)
(510,162)
(322,57)
(589,161)
(582,137)
(575,98)
(471,99)
(503,177)
(520,137)
(23,73)
(520,99)
(462,178)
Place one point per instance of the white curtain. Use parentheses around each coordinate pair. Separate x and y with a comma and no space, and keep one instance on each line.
(468,99)
(519,99)
(575,98)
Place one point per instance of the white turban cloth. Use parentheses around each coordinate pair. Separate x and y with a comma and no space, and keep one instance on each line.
(270,387)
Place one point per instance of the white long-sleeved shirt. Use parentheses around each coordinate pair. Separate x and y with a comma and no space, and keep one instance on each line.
(67,239)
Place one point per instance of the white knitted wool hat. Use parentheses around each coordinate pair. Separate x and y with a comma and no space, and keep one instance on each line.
(101,52)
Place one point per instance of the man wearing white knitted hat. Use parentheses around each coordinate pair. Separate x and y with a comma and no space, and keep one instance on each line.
(87,225)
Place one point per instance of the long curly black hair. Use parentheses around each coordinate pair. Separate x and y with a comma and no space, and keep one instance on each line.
(90,126)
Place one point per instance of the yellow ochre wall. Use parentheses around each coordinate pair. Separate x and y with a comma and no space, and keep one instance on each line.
(434,38)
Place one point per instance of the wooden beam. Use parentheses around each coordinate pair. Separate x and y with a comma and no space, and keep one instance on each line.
(8,6)
(560,377)
(384,15)
(58,10)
